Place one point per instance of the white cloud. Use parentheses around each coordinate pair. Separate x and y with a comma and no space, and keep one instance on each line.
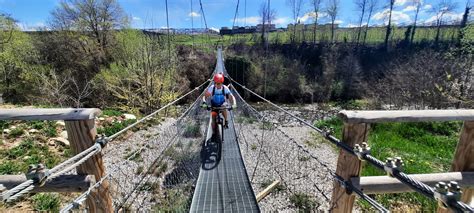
(194,14)
(338,21)
(352,25)
(427,7)
(397,16)
(400,2)
(214,29)
(446,17)
(136,18)
(310,16)
(409,8)
(281,21)
(251,20)
(35,27)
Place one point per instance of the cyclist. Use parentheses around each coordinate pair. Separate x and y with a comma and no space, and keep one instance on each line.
(218,93)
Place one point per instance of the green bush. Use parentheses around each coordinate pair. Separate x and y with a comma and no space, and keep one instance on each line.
(46,202)
(36,124)
(192,130)
(49,130)
(111,112)
(115,127)
(303,202)
(17,132)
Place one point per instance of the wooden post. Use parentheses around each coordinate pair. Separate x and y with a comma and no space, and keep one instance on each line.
(464,159)
(348,166)
(81,134)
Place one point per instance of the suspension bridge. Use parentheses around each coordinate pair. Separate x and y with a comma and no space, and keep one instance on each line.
(181,168)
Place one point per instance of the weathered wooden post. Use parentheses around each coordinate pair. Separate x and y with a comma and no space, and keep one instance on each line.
(82,134)
(348,166)
(464,159)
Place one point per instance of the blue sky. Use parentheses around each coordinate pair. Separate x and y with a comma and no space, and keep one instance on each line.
(151,13)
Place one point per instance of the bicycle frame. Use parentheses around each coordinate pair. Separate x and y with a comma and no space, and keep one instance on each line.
(219,127)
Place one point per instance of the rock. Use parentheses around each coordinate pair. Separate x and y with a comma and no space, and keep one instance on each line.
(61,123)
(6,131)
(63,134)
(101,119)
(33,131)
(129,117)
(26,158)
(61,141)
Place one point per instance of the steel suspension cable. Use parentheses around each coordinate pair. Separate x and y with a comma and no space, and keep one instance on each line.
(401,176)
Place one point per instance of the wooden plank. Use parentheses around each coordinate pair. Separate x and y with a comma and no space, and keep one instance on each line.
(71,114)
(389,185)
(406,116)
(267,190)
(464,159)
(348,166)
(63,183)
(82,136)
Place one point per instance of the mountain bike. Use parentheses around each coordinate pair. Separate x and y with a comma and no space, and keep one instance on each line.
(219,127)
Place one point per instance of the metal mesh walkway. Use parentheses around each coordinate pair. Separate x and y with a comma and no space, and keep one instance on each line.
(223,184)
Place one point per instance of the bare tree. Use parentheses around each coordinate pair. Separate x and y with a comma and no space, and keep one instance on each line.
(417,4)
(371,7)
(267,15)
(440,10)
(295,10)
(316,8)
(332,11)
(361,6)
(389,25)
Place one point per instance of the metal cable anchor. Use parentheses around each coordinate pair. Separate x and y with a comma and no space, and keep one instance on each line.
(447,194)
(361,150)
(37,173)
(392,165)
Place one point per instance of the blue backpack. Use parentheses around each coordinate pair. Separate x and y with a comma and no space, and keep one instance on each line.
(219,99)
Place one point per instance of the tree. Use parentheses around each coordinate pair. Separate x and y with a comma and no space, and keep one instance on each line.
(316,8)
(332,11)
(139,76)
(17,56)
(295,10)
(441,9)
(267,15)
(389,25)
(95,18)
(417,4)
(464,20)
(371,7)
(362,6)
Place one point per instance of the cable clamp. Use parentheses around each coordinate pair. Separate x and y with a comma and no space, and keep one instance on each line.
(102,140)
(393,165)
(447,194)
(38,173)
(362,150)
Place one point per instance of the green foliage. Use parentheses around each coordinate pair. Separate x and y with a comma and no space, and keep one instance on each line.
(425,147)
(303,202)
(161,169)
(139,170)
(111,112)
(174,201)
(46,202)
(27,152)
(36,124)
(253,146)
(17,132)
(192,130)
(50,129)
(110,129)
